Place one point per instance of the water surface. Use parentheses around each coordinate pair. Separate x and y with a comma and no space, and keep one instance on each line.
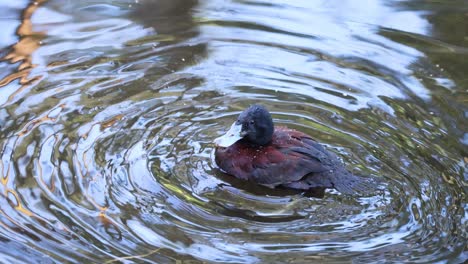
(108,110)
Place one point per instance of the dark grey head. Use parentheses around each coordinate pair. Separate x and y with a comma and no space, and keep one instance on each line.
(254,125)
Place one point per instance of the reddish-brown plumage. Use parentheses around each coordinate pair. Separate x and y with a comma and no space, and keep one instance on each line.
(286,159)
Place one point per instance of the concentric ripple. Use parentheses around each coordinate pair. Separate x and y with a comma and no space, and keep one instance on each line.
(106,137)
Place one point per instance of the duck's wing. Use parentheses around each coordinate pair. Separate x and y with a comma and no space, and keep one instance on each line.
(273,170)
(281,164)
(334,175)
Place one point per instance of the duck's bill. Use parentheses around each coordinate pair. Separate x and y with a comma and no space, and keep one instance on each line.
(232,136)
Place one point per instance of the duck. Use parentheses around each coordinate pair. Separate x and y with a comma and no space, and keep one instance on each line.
(255,150)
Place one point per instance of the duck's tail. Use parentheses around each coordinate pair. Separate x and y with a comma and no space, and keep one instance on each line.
(348,183)
(339,179)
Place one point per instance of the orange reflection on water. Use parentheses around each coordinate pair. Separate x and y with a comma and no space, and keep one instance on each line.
(17,204)
(10,193)
(29,41)
(4,178)
(110,122)
(51,116)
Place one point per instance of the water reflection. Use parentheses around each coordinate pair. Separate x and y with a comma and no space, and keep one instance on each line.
(107,155)
(21,52)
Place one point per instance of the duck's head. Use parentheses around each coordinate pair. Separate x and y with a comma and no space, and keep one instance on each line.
(254,125)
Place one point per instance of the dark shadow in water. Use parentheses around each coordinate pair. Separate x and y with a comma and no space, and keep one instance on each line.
(174,24)
(168,16)
(447,49)
(261,190)
(250,215)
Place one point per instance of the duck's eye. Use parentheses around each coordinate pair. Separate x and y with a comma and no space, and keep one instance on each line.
(252,122)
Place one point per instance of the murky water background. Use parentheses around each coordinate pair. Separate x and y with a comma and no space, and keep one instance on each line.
(108,110)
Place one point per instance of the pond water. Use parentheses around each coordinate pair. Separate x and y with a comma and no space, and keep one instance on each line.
(108,110)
